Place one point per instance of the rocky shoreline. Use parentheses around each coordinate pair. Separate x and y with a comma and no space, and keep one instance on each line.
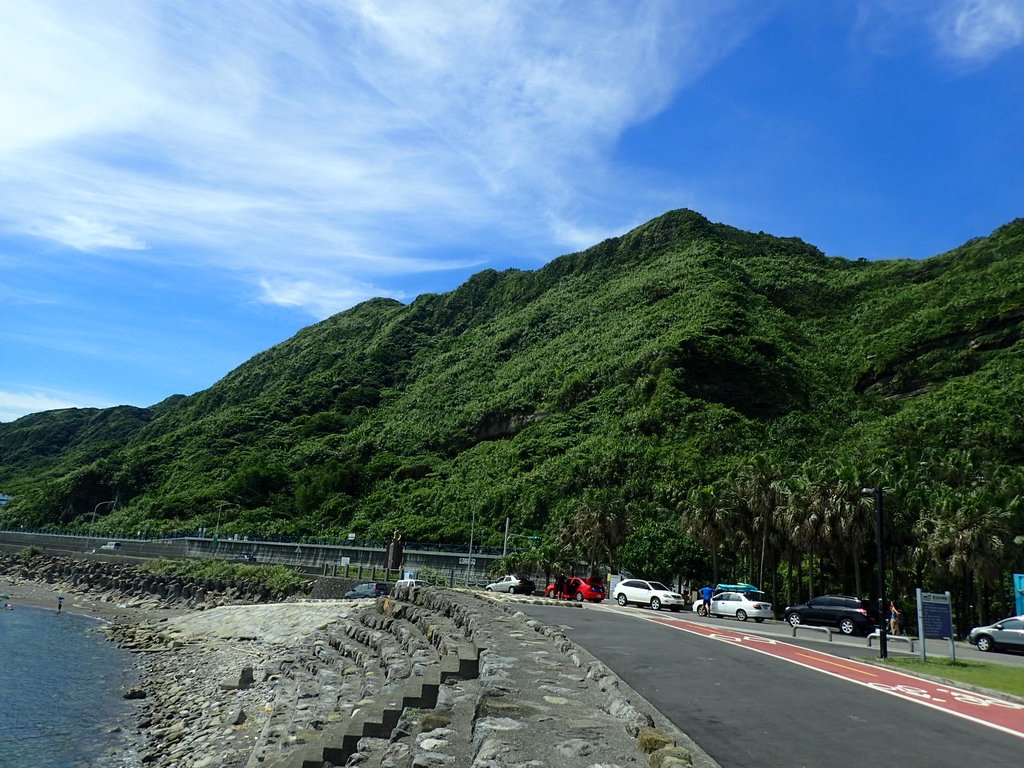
(431,677)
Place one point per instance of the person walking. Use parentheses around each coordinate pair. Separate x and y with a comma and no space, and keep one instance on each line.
(705,596)
(60,602)
(559,586)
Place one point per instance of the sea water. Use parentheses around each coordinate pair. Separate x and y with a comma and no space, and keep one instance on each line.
(61,686)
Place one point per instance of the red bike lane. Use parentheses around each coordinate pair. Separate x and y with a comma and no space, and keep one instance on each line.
(1005,716)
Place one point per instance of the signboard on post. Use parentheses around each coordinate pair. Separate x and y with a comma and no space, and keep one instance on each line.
(1018,592)
(935,619)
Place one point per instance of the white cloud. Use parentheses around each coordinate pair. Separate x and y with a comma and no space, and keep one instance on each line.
(965,32)
(320,300)
(14,405)
(980,30)
(323,143)
(84,235)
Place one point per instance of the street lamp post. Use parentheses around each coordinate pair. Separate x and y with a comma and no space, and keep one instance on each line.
(883,637)
(469,559)
(216,531)
(94,511)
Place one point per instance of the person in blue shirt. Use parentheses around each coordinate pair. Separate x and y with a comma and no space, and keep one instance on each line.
(705,596)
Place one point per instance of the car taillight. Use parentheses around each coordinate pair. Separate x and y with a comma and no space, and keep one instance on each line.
(863,611)
(758,606)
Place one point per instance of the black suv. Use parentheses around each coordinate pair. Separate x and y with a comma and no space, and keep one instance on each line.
(850,615)
(370,589)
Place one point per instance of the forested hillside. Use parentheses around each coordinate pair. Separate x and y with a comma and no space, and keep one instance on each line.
(683,390)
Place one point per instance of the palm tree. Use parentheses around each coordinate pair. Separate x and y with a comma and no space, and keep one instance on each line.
(806,512)
(854,519)
(704,518)
(757,484)
(596,528)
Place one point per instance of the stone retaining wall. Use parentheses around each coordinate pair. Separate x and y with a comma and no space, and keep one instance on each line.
(121,581)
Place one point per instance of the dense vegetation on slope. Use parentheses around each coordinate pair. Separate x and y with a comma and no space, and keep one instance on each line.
(742,385)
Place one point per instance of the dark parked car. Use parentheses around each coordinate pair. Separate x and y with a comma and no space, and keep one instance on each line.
(370,589)
(1005,635)
(850,615)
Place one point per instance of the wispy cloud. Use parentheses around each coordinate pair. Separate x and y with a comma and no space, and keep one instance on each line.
(14,405)
(965,33)
(980,30)
(323,144)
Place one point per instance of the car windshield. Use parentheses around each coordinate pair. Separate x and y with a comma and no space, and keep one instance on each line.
(659,585)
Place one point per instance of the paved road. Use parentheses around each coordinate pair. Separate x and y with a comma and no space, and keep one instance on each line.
(749,710)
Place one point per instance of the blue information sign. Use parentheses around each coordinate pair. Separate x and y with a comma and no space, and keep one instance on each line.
(937,616)
(1018,592)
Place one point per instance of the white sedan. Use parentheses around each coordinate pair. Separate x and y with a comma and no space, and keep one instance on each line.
(742,605)
(652,593)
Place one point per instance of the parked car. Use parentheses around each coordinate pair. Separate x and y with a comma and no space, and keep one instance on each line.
(1005,635)
(652,593)
(512,584)
(580,589)
(112,545)
(245,557)
(369,589)
(410,583)
(850,615)
(742,605)
(741,587)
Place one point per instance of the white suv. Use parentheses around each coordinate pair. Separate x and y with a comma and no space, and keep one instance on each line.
(652,593)
(410,583)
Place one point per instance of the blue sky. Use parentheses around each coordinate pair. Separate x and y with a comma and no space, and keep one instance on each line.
(185,184)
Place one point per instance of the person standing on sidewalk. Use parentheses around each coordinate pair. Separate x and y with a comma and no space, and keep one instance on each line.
(895,617)
(705,596)
(559,586)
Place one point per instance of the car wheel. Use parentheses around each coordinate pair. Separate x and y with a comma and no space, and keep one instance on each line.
(847,627)
(793,619)
(488,589)
(579,597)
(702,611)
(759,621)
(655,604)
(985,643)
(621,600)
(512,590)
(741,615)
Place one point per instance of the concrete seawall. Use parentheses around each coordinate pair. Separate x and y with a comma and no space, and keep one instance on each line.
(428,677)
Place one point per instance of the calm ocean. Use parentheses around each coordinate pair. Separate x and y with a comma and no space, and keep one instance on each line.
(60,690)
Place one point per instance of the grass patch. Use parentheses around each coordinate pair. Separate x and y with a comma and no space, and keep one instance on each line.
(995,677)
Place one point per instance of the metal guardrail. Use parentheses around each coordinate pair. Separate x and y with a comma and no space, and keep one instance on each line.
(826,630)
(876,635)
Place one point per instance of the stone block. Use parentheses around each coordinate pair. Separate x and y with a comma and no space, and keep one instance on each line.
(671,757)
(651,740)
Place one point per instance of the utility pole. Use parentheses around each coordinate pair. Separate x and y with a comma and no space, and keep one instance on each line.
(883,637)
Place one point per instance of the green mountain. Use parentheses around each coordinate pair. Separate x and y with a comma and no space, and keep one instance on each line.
(627,374)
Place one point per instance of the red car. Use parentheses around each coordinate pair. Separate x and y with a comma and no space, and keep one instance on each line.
(579,589)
